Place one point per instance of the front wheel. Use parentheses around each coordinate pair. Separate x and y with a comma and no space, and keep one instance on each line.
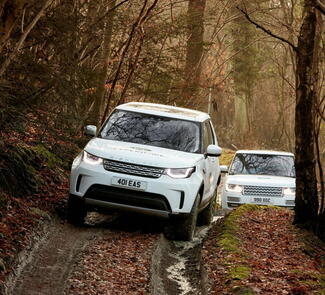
(206,216)
(76,210)
(184,227)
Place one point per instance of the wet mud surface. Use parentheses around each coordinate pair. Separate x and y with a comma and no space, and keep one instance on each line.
(59,263)
(177,266)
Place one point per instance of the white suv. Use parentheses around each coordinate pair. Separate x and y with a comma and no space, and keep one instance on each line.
(152,159)
(260,177)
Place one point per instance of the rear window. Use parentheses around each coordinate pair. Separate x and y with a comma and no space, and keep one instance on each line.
(153,130)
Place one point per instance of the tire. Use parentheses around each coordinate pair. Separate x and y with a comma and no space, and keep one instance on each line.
(76,210)
(184,227)
(206,215)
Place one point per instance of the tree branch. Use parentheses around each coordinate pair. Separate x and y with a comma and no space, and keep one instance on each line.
(320,6)
(267,31)
(134,28)
(108,12)
(23,37)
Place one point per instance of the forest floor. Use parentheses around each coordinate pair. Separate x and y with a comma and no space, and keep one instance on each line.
(254,250)
(251,251)
(257,250)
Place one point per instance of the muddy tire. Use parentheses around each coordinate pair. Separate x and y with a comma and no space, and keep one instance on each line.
(184,227)
(206,215)
(76,212)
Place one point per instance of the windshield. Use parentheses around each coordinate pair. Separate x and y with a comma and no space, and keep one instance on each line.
(259,164)
(148,129)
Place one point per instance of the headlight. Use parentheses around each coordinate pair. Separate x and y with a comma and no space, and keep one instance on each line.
(77,161)
(91,159)
(289,191)
(234,188)
(179,172)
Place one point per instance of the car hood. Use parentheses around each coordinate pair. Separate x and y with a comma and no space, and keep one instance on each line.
(261,180)
(141,154)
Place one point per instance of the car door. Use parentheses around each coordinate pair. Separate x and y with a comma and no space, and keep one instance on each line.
(209,162)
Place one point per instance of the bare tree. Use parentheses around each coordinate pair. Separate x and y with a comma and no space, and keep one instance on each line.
(307,75)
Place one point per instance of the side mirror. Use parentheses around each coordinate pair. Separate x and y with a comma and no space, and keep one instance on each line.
(90,130)
(213,151)
(224,168)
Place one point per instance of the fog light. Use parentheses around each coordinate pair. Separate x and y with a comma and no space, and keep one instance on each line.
(290,202)
(233,205)
(233,199)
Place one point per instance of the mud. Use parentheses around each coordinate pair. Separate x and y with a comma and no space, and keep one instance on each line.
(51,261)
(177,268)
(46,268)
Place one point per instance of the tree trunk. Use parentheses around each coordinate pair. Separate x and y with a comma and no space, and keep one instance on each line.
(320,229)
(306,209)
(194,50)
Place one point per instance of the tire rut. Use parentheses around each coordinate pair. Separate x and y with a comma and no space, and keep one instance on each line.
(52,261)
(176,266)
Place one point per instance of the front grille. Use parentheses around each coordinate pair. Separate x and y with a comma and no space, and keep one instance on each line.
(264,191)
(128,197)
(133,169)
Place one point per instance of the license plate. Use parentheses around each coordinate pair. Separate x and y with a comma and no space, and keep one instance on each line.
(261,200)
(129,183)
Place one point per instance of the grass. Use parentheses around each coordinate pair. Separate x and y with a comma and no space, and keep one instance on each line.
(226,157)
(240,272)
(229,242)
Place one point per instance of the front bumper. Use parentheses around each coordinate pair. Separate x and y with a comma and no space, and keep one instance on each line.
(163,196)
(231,200)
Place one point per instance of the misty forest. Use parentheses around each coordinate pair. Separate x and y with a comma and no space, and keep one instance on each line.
(256,67)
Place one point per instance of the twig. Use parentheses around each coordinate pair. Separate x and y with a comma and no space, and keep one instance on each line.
(107,12)
(267,31)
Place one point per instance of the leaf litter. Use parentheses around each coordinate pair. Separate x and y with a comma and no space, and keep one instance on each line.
(273,256)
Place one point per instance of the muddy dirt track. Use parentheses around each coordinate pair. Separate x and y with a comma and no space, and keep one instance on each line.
(55,264)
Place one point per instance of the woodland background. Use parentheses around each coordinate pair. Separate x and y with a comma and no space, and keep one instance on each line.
(68,63)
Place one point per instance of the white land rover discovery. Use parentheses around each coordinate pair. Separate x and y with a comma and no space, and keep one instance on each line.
(151,159)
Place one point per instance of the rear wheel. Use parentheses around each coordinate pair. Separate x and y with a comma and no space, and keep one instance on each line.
(76,210)
(184,227)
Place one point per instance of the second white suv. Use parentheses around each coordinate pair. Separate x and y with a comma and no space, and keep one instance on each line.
(151,159)
(260,177)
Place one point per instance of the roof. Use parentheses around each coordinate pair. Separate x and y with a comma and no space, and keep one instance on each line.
(165,111)
(265,152)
